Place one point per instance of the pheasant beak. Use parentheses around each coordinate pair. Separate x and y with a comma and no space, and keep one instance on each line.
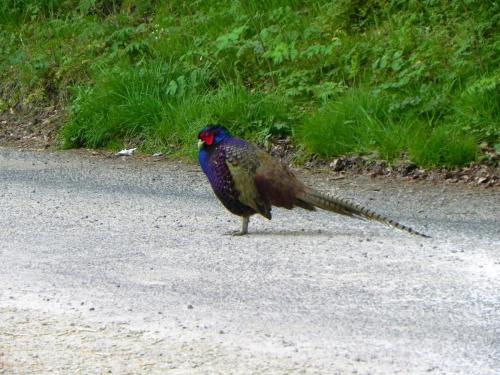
(200,144)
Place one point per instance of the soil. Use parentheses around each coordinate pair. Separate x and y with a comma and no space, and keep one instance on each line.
(35,129)
(38,129)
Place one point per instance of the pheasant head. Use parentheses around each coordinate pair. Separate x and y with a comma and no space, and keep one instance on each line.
(211,135)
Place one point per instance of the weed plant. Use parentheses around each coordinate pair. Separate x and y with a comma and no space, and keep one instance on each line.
(388,78)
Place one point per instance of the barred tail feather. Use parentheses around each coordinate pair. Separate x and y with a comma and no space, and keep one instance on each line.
(344,207)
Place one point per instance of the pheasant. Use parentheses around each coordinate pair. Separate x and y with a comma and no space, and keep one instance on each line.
(248,181)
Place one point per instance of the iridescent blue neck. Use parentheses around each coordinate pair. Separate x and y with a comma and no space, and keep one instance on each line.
(203,156)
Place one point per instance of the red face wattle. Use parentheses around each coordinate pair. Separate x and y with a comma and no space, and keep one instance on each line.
(207,137)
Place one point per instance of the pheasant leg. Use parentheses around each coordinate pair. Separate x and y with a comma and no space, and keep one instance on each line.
(244,225)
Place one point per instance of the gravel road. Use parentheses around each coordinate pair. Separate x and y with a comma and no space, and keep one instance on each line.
(123,266)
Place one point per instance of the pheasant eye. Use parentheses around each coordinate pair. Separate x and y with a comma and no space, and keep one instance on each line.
(207,137)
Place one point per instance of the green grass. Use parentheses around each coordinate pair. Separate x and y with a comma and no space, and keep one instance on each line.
(356,122)
(387,78)
(162,108)
(361,123)
(443,146)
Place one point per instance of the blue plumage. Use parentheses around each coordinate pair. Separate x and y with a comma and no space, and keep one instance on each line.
(212,160)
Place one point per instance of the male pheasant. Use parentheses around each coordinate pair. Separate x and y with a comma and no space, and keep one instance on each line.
(249,181)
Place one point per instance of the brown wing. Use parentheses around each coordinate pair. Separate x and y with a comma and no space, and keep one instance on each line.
(277,184)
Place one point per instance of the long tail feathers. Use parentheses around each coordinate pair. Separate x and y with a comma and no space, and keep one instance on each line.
(315,198)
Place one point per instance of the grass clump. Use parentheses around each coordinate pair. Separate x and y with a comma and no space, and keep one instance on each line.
(125,104)
(162,107)
(361,122)
(443,146)
(476,109)
(356,122)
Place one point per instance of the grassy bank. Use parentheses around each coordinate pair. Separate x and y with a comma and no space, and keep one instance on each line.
(388,78)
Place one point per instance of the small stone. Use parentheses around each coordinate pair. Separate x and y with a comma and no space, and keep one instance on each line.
(190,307)
(338,165)
(126,152)
(482,180)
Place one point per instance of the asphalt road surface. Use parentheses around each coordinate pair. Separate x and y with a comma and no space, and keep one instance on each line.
(124,266)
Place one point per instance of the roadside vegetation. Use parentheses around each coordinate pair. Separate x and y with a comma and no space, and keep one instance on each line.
(392,79)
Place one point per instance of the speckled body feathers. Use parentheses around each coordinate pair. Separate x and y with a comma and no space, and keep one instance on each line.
(213,163)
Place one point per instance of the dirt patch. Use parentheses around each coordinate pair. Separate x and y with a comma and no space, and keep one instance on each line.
(485,174)
(33,129)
